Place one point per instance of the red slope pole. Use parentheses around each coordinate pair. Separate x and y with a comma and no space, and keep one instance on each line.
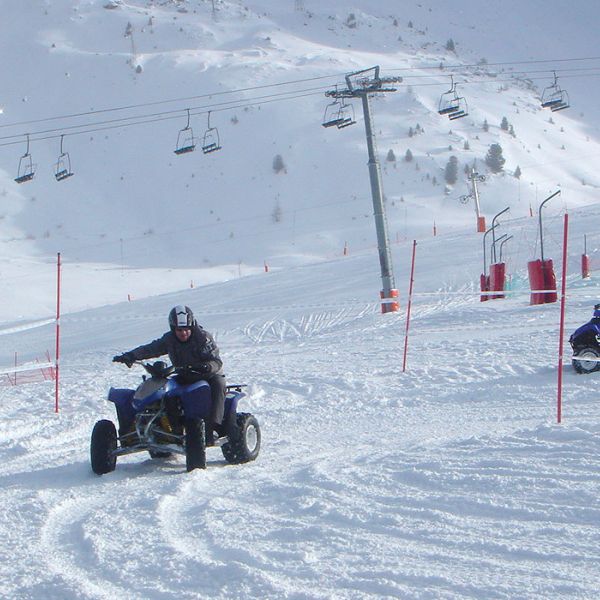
(410,291)
(57,353)
(562,320)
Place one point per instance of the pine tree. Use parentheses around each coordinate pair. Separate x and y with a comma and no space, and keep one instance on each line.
(518,172)
(504,124)
(486,126)
(278,164)
(408,156)
(494,159)
(451,172)
(277,214)
(391,157)
(450,45)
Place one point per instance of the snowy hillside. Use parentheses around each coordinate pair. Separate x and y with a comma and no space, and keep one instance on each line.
(450,480)
(128,74)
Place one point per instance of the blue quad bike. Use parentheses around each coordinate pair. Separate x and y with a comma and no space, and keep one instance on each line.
(166,415)
(585,342)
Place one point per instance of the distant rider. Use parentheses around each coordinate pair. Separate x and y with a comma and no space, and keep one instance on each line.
(189,347)
(589,333)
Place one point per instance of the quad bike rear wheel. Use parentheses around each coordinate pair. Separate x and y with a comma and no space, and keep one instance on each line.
(195,445)
(244,440)
(102,447)
(586,366)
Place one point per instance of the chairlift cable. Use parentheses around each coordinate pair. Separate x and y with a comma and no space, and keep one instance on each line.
(233,104)
(292,82)
(120,124)
(198,111)
(149,118)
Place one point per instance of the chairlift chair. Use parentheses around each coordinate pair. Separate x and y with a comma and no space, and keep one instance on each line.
(185,138)
(554,98)
(210,141)
(63,164)
(346,115)
(449,101)
(562,103)
(462,110)
(332,117)
(26,167)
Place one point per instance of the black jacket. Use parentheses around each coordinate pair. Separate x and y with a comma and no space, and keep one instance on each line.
(200,349)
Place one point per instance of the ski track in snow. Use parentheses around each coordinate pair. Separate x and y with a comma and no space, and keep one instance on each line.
(368,485)
(450,481)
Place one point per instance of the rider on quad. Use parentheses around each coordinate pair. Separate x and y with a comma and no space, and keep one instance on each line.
(192,348)
(585,342)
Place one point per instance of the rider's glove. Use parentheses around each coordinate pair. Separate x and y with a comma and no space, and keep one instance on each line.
(127,359)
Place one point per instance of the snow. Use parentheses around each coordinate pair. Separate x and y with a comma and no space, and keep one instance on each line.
(452,479)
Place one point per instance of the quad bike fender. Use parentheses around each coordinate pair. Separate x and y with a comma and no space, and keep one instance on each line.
(121,397)
(123,401)
(196,400)
(231,401)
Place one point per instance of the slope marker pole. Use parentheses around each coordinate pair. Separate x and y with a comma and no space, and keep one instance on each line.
(57,352)
(562,320)
(410,291)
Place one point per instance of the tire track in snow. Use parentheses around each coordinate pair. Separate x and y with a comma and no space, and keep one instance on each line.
(443,502)
(62,537)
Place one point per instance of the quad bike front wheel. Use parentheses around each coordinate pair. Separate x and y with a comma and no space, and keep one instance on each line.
(244,441)
(583,366)
(103,446)
(195,445)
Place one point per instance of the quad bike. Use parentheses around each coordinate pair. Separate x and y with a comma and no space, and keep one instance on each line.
(166,415)
(585,342)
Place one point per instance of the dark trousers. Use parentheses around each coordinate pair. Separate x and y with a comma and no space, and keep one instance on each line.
(218,388)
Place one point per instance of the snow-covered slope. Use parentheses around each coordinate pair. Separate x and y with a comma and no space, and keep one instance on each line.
(449,480)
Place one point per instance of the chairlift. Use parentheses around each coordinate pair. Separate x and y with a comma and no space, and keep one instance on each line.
(462,110)
(564,103)
(449,101)
(210,141)
(185,138)
(555,98)
(63,164)
(26,167)
(453,105)
(346,115)
(332,117)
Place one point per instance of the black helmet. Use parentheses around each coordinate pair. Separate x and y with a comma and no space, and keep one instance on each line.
(181,316)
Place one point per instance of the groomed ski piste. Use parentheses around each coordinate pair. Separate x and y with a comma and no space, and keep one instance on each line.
(450,480)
